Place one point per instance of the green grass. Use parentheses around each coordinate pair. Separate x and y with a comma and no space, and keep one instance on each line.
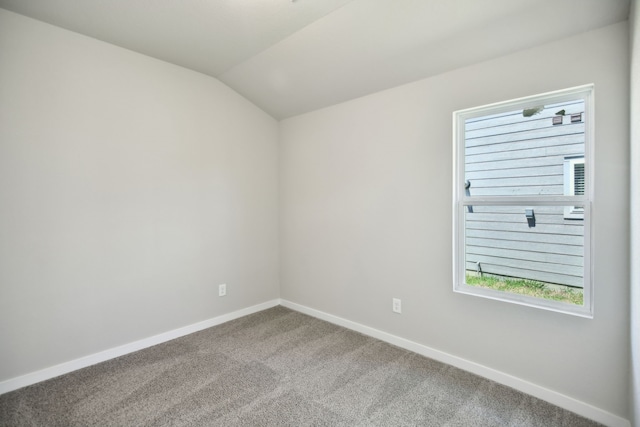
(528,287)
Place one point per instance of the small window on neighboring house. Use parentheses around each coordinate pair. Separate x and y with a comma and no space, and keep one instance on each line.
(574,185)
(522,194)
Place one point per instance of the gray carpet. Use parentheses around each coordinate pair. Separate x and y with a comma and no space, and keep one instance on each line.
(276,368)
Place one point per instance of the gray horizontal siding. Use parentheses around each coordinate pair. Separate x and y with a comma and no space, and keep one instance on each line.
(552,169)
(544,247)
(542,276)
(532,266)
(572,228)
(514,165)
(516,215)
(510,155)
(555,224)
(561,148)
(525,135)
(525,254)
(507,119)
(560,239)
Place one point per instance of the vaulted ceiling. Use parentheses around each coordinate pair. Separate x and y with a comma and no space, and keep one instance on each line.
(291,57)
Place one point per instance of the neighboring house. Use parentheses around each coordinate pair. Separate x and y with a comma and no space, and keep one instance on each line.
(537,151)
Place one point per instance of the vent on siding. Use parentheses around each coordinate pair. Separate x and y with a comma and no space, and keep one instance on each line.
(578,179)
(574,185)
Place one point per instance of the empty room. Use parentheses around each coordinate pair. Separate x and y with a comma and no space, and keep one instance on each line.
(305,212)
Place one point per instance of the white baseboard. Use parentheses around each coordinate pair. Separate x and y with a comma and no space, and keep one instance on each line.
(83,362)
(558,399)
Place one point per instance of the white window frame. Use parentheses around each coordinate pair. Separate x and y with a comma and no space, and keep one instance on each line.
(461,201)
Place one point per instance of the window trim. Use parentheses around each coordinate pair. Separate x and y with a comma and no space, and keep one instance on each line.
(461,201)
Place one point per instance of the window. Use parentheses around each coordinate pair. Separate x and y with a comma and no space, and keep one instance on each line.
(574,185)
(522,192)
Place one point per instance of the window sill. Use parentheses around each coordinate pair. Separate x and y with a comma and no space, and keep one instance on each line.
(539,303)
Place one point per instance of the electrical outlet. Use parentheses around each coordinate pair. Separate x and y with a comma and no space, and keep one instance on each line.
(397,305)
(222,290)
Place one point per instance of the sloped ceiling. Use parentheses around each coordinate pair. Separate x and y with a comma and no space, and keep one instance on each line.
(291,57)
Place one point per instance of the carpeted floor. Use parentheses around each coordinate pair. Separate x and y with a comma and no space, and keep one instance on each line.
(276,368)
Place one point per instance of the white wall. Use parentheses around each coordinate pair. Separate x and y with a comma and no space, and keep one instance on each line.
(635,208)
(130,188)
(366,207)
